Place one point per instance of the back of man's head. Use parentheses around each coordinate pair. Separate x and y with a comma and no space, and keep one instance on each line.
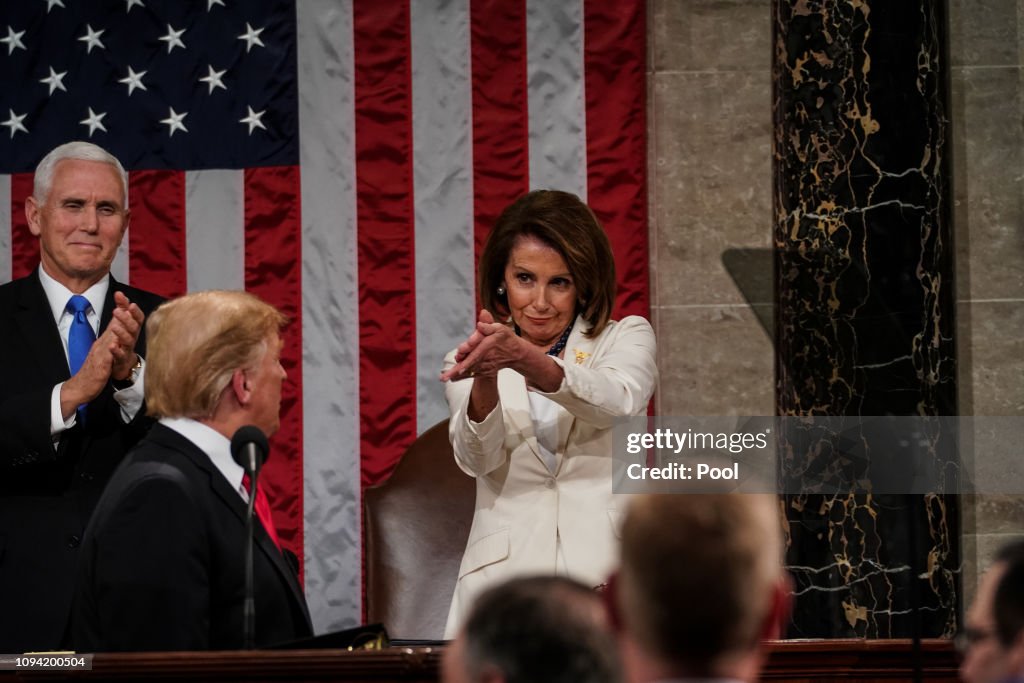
(534,630)
(194,344)
(701,582)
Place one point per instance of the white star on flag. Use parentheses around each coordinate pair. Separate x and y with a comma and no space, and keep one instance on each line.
(14,123)
(13,40)
(211,3)
(94,121)
(55,80)
(133,3)
(251,37)
(253,119)
(92,39)
(214,79)
(174,121)
(50,4)
(133,80)
(173,38)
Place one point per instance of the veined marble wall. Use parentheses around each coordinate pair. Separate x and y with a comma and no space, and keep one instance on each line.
(710,134)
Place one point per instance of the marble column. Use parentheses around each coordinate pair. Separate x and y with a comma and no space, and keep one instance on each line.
(864,317)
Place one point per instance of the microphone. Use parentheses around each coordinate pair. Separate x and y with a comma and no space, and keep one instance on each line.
(250,449)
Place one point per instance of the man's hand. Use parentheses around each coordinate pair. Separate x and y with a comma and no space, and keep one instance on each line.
(125,326)
(112,356)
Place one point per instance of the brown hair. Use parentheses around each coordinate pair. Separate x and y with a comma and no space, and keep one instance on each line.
(196,342)
(697,575)
(567,225)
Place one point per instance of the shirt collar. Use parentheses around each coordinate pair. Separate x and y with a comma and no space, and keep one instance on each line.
(216,446)
(57,295)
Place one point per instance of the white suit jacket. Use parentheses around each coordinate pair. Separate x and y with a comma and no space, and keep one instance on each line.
(522,508)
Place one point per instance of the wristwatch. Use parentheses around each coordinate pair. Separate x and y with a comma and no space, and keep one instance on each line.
(133,375)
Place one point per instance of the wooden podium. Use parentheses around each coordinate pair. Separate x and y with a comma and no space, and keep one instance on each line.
(798,661)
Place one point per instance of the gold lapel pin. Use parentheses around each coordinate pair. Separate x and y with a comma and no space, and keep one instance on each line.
(580,356)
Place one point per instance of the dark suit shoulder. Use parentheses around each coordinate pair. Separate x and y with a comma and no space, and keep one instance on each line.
(13,291)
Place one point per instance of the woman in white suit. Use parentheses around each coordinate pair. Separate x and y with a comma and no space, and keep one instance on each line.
(534,393)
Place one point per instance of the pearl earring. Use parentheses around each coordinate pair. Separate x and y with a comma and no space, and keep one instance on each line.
(501,290)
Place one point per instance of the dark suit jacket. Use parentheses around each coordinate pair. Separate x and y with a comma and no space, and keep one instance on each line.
(46,495)
(162,564)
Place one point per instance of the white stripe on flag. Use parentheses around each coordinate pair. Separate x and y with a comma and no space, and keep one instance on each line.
(443,193)
(215,229)
(5,228)
(330,315)
(557,113)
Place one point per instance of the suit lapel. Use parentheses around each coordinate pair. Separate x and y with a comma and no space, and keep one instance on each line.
(578,351)
(232,500)
(263,542)
(39,331)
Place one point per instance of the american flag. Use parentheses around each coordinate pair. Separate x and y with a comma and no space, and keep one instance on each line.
(344,160)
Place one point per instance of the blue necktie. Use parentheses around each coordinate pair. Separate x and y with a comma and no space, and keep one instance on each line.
(80,338)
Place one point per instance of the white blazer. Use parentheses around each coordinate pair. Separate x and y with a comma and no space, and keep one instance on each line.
(522,509)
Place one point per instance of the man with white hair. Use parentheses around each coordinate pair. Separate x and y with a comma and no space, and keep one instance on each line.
(71,392)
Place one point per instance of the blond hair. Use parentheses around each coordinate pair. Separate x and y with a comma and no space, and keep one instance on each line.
(196,342)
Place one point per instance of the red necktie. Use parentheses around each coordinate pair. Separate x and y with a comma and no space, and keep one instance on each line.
(262,510)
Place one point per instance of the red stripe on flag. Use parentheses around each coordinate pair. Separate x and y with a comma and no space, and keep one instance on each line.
(501,168)
(24,245)
(386,239)
(273,254)
(156,236)
(615,82)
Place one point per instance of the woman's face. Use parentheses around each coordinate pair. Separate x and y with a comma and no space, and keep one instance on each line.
(541,292)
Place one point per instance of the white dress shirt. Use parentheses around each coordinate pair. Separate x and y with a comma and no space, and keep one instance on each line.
(57,295)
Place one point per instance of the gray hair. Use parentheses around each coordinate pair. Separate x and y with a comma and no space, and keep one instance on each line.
(78,150)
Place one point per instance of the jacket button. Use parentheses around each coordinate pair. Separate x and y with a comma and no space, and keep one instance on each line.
(73,541)
(549,483)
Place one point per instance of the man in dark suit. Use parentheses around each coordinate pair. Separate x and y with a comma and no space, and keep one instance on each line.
(63,432)
(162,564)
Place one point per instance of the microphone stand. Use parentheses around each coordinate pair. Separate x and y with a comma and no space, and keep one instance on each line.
(249,606)
(249,449)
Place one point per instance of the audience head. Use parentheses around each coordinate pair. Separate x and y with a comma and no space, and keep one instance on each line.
(79,212)
(561,221)
(994,627)
(534,630)
(214,356)
(700,586)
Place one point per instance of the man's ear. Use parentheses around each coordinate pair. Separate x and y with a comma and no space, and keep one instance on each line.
(779,608)
(610,597)
(240,387)
(32,215)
